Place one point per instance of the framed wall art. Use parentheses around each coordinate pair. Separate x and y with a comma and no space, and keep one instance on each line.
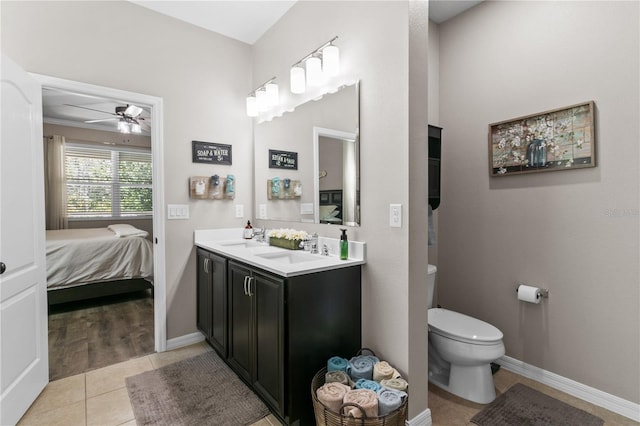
(560,139)
(209,152)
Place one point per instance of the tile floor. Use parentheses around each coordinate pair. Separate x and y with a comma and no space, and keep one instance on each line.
(100,397)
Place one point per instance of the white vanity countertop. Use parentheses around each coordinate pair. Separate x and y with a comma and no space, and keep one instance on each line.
(286,263)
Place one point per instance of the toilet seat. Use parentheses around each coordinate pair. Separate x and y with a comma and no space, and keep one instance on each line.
(462,328)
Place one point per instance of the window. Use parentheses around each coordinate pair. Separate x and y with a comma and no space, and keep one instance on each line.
(107,182)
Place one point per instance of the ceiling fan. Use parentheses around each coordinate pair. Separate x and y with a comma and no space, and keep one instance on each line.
(128,118)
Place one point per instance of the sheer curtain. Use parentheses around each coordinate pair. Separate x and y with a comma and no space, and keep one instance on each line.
(55,183)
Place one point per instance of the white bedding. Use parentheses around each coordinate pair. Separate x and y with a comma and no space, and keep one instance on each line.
(82,256)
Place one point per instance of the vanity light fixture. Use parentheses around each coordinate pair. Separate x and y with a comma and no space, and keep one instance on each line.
(321,63)
(263,98)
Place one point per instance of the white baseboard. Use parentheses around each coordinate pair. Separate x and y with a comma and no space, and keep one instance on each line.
(422,419)
(587,393)
(186,340)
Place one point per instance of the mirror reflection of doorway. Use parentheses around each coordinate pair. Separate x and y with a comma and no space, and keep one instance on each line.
(102,318)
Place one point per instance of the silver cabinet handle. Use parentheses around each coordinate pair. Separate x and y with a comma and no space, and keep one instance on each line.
(206,265)
(246,292)
(250,293)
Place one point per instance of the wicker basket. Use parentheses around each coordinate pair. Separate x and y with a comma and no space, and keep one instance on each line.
(326,417)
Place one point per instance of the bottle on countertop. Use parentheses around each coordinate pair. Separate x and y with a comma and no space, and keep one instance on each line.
(344,245)
(248,231)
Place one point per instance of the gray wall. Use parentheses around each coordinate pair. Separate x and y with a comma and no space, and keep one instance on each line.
(203,79)
(374,42)
(574,232)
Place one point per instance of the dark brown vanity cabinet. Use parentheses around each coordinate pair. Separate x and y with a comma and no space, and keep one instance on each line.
(256,344)
(282,330)
(212,299)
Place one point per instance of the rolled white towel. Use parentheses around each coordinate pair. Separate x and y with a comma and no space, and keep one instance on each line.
(339,377)
(365,398)
(389,400)
(332,394)
(383,370)
(397,383)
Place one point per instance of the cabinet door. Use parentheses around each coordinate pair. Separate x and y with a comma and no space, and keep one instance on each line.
(218,273)
(203,315)
(268,302)
(240,322)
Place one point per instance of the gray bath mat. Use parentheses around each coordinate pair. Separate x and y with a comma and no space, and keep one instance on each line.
(197,391)
(522,406)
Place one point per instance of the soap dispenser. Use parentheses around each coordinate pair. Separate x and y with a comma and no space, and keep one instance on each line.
(344,245)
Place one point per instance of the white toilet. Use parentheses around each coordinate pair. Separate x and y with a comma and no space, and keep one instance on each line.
(461,350)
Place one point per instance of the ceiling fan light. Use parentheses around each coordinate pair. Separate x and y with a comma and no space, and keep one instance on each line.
(331,61)
(252,107)
(135,128)
(297,79)
(123,127)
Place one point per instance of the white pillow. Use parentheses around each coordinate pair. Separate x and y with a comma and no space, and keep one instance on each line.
(124,230)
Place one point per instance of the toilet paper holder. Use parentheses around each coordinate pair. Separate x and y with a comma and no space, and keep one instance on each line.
(543,292)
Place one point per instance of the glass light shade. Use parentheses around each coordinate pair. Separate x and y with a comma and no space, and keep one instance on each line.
(123,127)
(273,97)
(314,71)
(331,61)
(261,100)
(252,107)
(135,128)
(297,80)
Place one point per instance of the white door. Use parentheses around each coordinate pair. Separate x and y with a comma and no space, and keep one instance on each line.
(24,363)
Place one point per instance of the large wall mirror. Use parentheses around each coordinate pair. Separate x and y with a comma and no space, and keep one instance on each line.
(307,162)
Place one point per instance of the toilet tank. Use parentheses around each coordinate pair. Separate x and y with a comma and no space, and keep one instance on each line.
(431,283)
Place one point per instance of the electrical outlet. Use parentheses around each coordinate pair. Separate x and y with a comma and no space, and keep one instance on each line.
(262,211)
(239,210)
(395,215)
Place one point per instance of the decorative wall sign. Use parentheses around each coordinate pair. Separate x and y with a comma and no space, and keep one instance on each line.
(283,160)
(560,139)
(209,152)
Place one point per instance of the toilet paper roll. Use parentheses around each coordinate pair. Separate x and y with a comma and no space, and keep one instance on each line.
(529,294)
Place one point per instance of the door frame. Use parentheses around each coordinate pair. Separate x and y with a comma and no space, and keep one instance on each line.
(157,151)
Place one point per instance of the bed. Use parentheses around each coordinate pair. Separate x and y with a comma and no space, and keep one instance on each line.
(95,262)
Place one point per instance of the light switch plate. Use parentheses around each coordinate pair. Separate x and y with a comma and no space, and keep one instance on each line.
(395,215)
(239,210)
(177,211)
(262,211)
(306,208)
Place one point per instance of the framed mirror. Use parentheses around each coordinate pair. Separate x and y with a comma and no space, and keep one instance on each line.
(307,162)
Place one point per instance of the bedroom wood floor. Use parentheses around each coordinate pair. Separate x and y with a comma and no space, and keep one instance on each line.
(87,335)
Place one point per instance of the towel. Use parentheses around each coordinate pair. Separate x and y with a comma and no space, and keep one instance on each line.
(365,398)
(397,383)
(338,377)
(124,230)
(337,364)
(332,394)
(361,367)
(368,384)
(383,370)
(389,400)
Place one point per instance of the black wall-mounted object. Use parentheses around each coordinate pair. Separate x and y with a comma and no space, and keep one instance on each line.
(435,142)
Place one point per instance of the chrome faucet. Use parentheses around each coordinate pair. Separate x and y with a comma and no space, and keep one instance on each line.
(259,234)
(313,244)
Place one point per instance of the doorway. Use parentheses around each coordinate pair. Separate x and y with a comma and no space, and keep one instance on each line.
(154,107)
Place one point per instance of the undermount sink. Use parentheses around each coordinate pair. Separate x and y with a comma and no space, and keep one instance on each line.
(241,244)
(289,257)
